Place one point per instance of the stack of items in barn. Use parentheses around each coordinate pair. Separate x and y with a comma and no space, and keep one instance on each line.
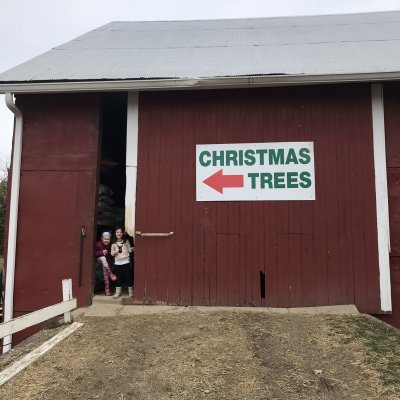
(108,214)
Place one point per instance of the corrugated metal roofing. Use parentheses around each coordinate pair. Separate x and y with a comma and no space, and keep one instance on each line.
(315,45)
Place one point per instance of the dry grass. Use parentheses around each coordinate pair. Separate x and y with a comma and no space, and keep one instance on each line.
(377,345)
(217,355)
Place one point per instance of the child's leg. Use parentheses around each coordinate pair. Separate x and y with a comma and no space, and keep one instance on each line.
(118,282)
(104,262)
(130,276)
(118,274)
(107,289)
(106,282)
(127,278)
(111,275)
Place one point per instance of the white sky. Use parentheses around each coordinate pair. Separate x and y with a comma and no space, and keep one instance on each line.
(29,28)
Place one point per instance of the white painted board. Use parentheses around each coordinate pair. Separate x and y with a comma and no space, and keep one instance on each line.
(255,171)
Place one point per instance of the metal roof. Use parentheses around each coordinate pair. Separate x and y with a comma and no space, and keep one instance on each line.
(300,46)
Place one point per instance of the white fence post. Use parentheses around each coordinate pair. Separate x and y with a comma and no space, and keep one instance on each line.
(67,295)
(36,317)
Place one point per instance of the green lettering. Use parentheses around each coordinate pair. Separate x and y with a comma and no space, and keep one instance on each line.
(240,157)
(292,180)
(249,157)
(218,159)
(305,180)
(291,157)
(276,156)
(266,179)
(279,180)
(231,156)
(253,176)
(201,158)
(304,154)
(262,153)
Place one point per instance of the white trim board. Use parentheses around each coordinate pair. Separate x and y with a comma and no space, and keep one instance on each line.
(381,194)
(132,131)
(25,361)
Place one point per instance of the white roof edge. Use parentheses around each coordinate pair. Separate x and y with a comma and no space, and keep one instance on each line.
(194,83)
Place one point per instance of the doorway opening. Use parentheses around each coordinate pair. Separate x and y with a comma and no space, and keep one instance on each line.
(112,175)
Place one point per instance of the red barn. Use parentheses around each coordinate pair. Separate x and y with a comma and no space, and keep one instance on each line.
(255,161)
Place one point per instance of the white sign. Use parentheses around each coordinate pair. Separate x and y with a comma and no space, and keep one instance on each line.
(255,171)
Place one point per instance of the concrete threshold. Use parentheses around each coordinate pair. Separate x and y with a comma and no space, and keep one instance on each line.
(105,306)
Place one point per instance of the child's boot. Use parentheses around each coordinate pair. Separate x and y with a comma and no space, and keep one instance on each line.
(107,289)
(130,291)
(118,291)
(111,275)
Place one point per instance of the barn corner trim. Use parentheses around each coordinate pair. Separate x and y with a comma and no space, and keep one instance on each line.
(381,194)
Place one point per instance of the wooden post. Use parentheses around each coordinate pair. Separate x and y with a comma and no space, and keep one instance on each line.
(67,295)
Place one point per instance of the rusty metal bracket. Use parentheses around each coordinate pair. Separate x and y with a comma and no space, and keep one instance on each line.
(83,235)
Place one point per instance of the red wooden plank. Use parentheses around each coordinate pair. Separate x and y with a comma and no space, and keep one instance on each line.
(232,270)
(283,273)
(242,259)
(267,249)
(174,281)
(260,252)
(171,147)
(209,209)
(271,260)
(369,204)
(295,266)
(314,123)
(344,207)
(332,183)
(198,226)
(222,256)
(188,201)
(152,221)
(393,175)
(269,109)
(307,268)
(392,123)
(357,217)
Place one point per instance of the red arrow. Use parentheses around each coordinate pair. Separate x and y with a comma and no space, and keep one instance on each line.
(218,181)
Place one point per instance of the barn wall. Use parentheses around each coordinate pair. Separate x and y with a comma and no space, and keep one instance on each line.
(392,130)
(311,253)
(57,197)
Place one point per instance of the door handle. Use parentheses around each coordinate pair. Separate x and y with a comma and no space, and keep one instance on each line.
(154,234)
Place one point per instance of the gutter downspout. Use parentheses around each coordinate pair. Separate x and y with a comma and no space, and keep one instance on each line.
(13,219)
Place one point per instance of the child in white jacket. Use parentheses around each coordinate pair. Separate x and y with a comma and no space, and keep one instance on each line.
(121,250)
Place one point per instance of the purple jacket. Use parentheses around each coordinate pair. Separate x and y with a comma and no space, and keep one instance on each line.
(100,246)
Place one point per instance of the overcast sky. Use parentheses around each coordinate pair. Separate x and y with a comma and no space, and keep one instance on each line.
(29,28)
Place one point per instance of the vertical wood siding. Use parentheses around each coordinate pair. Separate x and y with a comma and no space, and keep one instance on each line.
(57,197)
(392,129)
(311,253)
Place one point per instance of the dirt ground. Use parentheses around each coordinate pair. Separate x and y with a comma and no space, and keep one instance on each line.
(218,355)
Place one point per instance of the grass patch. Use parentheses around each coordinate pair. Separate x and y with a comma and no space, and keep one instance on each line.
(381,345)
